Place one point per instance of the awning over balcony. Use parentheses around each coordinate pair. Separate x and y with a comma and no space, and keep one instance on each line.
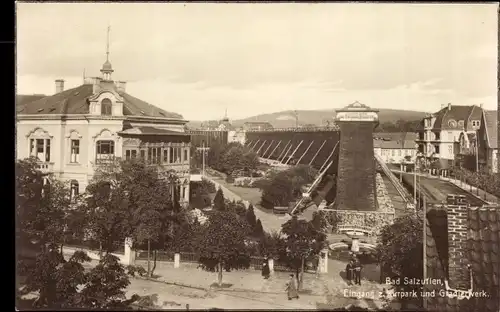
(152,131)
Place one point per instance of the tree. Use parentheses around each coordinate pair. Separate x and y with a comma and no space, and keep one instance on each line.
(222,243)
(286,186)
(319,222)
(106,284)
(140,205)
(42,204)
(219,203)
(279,192)
(258,229)
(64,284)
(270,244)
(302,242)
(250,217)
(400,247)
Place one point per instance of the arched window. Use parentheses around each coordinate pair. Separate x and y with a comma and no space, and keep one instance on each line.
(106,107)
(74,190)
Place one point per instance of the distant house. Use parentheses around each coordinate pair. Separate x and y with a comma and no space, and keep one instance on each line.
(462,248)
(237,135)
(257,126)
(483,142)
(395,148)
(439,133)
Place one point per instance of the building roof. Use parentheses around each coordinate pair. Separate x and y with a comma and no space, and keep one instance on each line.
(456,113)
(22,99)
(394,136)
(258,123)
(482,251)
(401,144)
(152,131)
(491,125)
(75,101)
(357,107)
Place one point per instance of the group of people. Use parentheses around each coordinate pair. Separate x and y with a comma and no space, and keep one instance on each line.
(353,271)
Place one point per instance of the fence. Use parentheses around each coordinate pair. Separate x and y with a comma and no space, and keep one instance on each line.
(191,257)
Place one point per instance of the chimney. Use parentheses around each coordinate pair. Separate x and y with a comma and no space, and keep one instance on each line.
(59,86)
(449,106)
(458,275)
(481,106)
(121,86)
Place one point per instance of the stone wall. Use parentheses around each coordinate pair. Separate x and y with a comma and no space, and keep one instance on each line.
(384,200)
(372,220)
(356,171)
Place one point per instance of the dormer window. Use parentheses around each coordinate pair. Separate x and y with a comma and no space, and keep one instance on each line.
(461,123)
(452,123)
(106,107)
(476,123)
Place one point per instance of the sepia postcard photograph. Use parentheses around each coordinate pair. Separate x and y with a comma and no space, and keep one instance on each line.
(257,156)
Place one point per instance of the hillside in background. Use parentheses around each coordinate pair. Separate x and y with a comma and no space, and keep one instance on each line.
(286,119)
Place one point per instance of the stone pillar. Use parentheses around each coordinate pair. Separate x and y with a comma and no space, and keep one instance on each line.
(177,260)
(323,261)
(129,257)
(270,262)
(355,245)
(186,192)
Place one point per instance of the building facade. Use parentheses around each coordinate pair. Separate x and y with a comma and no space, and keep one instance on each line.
(74,131)
(395,151)
(479,151)
(439,133)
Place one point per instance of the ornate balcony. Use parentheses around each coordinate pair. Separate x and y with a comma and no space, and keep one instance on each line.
(45,167)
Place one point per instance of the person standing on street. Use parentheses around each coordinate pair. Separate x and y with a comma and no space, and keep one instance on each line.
(265,268)
(291,288)
(357,272)
(349,271)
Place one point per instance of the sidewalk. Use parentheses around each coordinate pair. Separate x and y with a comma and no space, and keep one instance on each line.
(464,186)
(317,288)
(492,199)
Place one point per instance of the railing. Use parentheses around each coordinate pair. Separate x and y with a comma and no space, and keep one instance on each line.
(45,166)
(397,185)
(312,129)
(351,228)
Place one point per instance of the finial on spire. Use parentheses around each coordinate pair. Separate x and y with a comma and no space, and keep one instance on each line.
(107,44)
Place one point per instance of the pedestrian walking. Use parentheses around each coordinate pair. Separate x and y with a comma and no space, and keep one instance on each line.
(357,272)
(349,271)
(265,269)
(291,288)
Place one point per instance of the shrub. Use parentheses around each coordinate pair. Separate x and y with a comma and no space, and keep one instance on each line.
(486,181)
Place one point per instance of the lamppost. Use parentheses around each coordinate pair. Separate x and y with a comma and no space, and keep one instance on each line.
(417,155)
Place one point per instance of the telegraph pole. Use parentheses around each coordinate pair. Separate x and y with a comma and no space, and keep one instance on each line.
(203,150)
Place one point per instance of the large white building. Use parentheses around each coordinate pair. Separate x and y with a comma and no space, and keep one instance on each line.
(75,130)
(439,133)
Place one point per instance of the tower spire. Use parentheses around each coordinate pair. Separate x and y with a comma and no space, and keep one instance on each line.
(107,44)
(84,75)
(107,69)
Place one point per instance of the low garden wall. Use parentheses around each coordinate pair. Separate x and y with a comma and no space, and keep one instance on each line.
(372,220)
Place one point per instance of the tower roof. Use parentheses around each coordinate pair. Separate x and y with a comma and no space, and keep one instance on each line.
(106,67)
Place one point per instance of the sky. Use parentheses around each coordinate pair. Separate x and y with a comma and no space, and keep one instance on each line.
(199,59)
